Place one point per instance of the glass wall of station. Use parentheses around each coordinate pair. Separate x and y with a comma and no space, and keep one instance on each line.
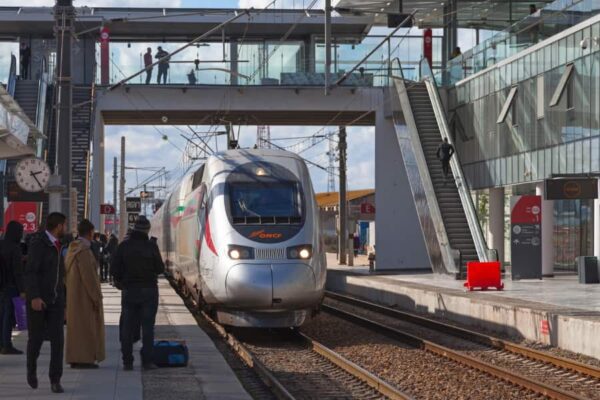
(536,116)
(531,117)
(541,24)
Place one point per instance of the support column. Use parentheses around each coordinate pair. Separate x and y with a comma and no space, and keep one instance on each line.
(399,241)
(547,232)
(233,56)
(64,14)
(597,225)
(343,204)
(496,222)
(327,45)
(97,176)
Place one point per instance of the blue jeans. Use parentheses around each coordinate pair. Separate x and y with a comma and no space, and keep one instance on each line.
(138,304)
(7,316)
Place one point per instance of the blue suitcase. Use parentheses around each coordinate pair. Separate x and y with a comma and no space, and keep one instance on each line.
(171,353)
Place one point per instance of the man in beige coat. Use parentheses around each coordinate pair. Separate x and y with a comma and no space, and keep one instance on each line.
(85,313)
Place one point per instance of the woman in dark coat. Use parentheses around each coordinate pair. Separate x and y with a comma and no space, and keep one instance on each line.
(11,278)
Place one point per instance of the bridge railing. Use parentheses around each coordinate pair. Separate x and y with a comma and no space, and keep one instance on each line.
(289,63)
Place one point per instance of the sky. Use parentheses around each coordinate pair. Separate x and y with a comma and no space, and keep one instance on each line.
(145,142)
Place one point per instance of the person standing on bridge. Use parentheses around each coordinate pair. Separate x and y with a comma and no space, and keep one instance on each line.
(45,294)
(444,154)
(148,65)
(135,268)
(85,311)
(163,66)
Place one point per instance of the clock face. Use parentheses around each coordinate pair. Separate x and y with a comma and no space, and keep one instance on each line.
(32,174)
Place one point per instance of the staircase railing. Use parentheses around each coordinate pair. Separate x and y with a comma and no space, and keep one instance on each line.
(12,76)
(483,252)
(443,258)
(40,112)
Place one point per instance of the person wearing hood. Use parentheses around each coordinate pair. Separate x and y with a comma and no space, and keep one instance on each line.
(135,268)
(85,314)
(11,283)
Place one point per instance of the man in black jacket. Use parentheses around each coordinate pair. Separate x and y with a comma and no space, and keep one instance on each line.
(11,283)
(135,268)
(45,293)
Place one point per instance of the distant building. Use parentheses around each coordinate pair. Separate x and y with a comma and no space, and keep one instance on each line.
(361,215)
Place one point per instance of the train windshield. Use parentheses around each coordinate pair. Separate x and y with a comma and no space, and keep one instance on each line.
(265,202)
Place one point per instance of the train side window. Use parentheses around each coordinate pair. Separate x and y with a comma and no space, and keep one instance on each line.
(197,179)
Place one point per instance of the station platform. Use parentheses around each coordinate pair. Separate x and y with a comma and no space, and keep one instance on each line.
(555,311)
(208,376)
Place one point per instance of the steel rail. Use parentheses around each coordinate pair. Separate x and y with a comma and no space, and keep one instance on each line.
(506,375)
(269,378)
(477,337)
(355,370)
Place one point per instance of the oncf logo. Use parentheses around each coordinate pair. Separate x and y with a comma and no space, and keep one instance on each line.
(264,235)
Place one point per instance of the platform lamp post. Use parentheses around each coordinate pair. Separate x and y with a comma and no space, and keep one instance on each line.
(60,182)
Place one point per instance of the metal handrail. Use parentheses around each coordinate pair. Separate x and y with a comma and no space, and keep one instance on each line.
(483,252)
(12,76)
(40,112)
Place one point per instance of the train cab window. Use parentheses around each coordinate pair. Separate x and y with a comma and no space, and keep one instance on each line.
(265,202)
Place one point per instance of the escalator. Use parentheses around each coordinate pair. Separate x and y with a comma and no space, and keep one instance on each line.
(26,94)
(448,218)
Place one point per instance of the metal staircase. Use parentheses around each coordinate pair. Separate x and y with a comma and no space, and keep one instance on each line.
(448,218)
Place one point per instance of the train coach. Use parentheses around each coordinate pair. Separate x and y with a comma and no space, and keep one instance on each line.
(241,235)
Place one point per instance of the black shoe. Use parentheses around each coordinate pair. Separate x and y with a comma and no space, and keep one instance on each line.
(149,366)
(127,367)
(11,351)
(57,388)
(32,381)
(84,366)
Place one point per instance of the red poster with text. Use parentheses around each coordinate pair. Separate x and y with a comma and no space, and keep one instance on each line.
(527,210)
(104,55)
(428,45)
(24,212)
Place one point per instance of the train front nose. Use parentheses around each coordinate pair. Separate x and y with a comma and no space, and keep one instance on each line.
(271,286)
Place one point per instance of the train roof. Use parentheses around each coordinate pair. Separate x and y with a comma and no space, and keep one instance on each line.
(248,154)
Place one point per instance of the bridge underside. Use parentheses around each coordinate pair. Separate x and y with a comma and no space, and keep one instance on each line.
(242,117)
(184,105)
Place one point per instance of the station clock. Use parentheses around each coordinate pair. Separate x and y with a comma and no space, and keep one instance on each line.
(32,174)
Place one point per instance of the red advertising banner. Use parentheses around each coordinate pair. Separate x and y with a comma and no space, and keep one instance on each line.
(24,212)
(367,208)
(527,210)
(104,55)
(107,209)
(428,45)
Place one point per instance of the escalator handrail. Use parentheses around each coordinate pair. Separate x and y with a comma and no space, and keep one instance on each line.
(12,76)
(483,252)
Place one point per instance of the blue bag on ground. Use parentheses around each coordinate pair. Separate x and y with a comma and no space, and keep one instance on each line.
(20,306)
(171,353)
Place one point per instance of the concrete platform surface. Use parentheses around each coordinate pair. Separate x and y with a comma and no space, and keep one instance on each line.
(207,377)
(557,311)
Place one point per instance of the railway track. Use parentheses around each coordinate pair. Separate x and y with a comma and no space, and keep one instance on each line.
(295,366)
(538,371)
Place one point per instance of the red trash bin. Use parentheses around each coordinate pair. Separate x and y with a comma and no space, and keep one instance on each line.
(484,275)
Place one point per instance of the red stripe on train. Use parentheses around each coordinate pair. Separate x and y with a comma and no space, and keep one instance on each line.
(207,235)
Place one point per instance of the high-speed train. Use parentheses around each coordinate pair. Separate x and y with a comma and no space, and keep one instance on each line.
(242,236)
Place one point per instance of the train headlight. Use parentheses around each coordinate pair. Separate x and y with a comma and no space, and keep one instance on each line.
(303,252)
(240,252)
